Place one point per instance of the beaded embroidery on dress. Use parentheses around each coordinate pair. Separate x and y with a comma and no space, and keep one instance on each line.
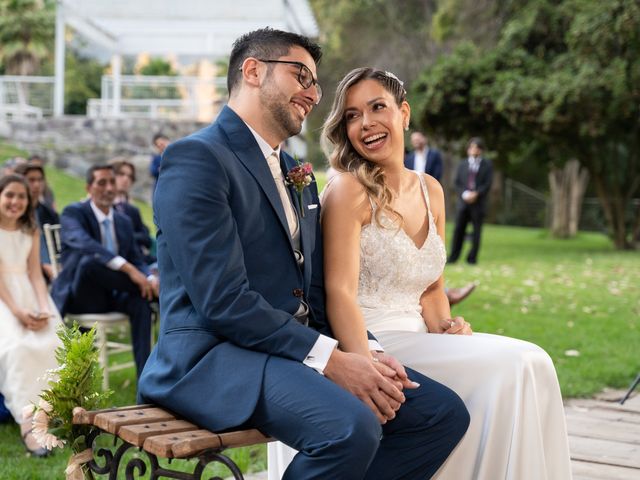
(388,254)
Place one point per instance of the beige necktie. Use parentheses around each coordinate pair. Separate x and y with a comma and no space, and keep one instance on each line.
(292,218)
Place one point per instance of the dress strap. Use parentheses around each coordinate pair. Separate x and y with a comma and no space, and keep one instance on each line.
(425,192)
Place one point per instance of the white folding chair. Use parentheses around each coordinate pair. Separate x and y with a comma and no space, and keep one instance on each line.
(104,322)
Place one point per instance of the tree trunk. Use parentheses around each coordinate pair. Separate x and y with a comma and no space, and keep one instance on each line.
(567,192)
(614,212)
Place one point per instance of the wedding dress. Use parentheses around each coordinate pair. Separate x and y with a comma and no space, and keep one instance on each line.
(509,386)
(25,355)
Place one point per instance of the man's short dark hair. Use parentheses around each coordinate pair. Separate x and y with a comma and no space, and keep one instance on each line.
(25,168)
(477,141)
(94,168)
(266,43)
(158,136)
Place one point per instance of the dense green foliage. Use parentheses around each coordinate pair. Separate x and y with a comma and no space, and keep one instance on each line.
(77,383)
(561,83)
(26,35)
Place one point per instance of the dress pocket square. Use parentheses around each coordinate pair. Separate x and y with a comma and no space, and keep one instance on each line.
(312,206)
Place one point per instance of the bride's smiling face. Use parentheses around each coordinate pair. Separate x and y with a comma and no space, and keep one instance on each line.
(375,122)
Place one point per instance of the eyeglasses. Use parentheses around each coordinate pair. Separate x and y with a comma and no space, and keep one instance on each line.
(305,77)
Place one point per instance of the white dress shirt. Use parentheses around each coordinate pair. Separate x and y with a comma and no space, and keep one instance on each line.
(420,160)
(117,261)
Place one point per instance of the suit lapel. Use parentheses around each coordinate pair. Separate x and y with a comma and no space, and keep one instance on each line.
(117,226)
(307,224)
(93,221)
(248,152)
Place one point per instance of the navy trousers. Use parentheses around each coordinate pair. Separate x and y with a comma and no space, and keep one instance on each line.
(98,289)
(340,438)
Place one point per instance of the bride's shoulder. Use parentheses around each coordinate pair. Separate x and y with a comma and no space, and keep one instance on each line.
(344,186)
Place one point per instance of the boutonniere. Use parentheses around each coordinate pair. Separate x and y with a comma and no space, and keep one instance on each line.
(300,177)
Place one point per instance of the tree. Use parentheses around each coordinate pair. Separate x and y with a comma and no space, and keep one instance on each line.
(561,83)
(26,34)
(391,35)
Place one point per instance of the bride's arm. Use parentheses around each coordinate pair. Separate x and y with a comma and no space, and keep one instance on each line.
(434,302)
(345,208)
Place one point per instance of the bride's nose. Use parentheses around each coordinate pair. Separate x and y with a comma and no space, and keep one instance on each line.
(367,121)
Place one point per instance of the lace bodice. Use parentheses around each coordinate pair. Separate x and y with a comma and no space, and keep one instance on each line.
(393,271)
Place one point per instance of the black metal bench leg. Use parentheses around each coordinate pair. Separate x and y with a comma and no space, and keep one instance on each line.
(631,389)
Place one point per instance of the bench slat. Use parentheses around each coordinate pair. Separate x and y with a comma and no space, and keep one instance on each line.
(86,417)
(137,434)
(112,421)
(162,445)
(191,446)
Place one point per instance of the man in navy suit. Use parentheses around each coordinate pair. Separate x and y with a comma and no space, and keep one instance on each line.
(244,342)
(103,269)
(423,158)
(473,182)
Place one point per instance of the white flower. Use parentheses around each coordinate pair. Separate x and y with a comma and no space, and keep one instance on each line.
(44,405)
(41,431)
(27,411)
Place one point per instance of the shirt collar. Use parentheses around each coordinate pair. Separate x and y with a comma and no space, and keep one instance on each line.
(99,214)
(266,149)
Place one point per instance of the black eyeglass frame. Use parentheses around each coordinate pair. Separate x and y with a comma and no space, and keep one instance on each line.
(302,67)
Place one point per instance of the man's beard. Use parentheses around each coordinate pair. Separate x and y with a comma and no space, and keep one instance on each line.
(278,107)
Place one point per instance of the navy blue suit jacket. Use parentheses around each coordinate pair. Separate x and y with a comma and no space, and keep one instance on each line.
(140,230)
(433,165)
(484,178)
(230,280)
(80,236)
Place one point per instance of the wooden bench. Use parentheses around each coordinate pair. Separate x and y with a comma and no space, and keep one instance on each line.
(160,433)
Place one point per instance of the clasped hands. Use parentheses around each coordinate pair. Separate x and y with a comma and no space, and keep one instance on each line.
(377,379)
(33,320)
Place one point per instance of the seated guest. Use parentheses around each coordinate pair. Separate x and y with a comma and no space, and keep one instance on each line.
(103,269)
(47,195)
(125,177)
(28,317)
(45,213)
(160,142)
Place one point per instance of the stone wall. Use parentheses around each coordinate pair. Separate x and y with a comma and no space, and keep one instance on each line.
(73,143)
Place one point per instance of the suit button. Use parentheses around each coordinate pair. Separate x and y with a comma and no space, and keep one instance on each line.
(298,292)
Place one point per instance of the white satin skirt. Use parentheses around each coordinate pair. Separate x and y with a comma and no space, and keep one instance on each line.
(509,386)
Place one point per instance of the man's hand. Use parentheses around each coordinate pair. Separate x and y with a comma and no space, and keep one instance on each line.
(391,368)
(155,285)
(137,277)
(358,374)
(471,197)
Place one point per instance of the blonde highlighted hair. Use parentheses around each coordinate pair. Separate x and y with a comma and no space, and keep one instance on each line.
(342,156)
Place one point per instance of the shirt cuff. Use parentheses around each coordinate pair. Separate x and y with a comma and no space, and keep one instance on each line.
(318,356)
(375,346)
(116,263)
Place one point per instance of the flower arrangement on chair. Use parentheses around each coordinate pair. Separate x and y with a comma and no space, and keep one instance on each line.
(75,383)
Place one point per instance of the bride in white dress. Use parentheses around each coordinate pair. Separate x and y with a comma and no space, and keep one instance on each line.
(383,231)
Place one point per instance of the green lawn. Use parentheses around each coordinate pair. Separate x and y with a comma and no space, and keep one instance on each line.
(579,299)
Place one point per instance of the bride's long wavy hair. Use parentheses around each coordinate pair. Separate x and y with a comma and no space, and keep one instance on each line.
(342,156)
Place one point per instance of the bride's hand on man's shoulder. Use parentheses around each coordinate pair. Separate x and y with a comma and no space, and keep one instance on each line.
(456,326)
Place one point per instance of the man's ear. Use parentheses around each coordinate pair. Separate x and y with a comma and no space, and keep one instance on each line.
(252,71)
